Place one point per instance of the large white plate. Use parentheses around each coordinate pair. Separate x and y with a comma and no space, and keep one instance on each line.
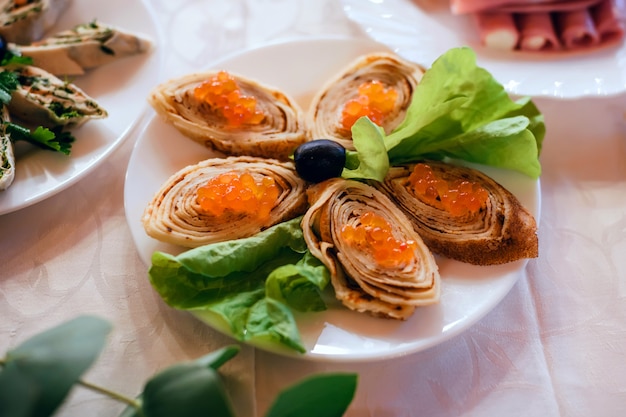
(120,87)
(421,30)
(300,68)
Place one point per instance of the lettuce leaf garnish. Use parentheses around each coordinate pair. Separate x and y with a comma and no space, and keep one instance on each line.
(252,284)
(460,111)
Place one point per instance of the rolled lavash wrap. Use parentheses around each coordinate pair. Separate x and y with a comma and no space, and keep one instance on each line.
(501,231)
(43,99)
(83,47)
(175,216)
(7,156)
(324,117)
(359,281)
(280,132)
(27,21)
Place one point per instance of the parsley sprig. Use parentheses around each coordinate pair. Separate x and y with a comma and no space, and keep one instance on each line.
(54,139)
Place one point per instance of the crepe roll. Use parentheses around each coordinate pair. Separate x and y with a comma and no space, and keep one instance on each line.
(377,261)
(377,85)
(23,21)
(86,46)
(461,213)
(224,199)
(231,114)
(7,156)
(43,99)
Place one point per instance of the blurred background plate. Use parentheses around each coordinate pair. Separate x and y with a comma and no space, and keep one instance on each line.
(120,87)
(421,30)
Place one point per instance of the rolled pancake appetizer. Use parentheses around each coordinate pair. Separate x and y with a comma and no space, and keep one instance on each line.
(461,213)
(7,157)
(223,199)
(43,99)
(377,261)
(23,21)
(377,85)
(231,114)
(86,46)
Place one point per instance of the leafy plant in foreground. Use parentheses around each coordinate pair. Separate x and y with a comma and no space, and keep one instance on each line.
(37,376)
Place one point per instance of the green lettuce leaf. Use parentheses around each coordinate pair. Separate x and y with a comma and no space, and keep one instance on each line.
(460,111)
(250,284)
(370,159)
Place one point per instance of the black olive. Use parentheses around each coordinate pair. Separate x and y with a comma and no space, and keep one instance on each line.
(4,47)
(319,160)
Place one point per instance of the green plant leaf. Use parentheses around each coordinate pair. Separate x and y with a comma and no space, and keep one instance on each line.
(186,390)
(44,368)
(327,395)
(219,357)
(213,360)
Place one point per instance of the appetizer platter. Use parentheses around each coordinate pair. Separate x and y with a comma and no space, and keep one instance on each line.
(174,180)
(95,61)
(420,30)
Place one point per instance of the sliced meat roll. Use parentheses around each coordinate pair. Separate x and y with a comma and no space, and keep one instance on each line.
(378,263)
(224,199)
(24,21)
(86,46)
(232,114)
(43,99)
(7,157)
(377,85)
(463,214)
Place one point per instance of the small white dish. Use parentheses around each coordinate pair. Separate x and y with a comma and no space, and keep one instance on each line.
(120,87)
(422,30)
(301,68)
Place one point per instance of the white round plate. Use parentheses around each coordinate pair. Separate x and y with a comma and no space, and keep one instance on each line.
(300,69)
(120,87)
(422,30)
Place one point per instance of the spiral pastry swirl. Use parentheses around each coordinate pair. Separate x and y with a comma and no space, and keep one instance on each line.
(175,216)
(501,231)
(325,115)
(360,282)
(280,132)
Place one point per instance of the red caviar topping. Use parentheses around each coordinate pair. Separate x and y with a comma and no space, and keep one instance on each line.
(374,101)
(458,197)
(374,235)
(238,193)
(222,93)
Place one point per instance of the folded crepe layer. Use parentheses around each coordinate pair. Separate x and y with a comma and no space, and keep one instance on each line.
(86,46)
(25,23)
(43,99)
(277,136)
(500,232)
(174,215)
(361,283)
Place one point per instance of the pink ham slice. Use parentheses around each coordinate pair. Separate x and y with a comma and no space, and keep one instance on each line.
(539,25)
(577,29)
(537,32)
(497,30)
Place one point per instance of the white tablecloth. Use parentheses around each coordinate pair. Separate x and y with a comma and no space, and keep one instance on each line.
(555,346)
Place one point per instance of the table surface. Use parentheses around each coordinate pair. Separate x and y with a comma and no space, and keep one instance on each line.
(555,346)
